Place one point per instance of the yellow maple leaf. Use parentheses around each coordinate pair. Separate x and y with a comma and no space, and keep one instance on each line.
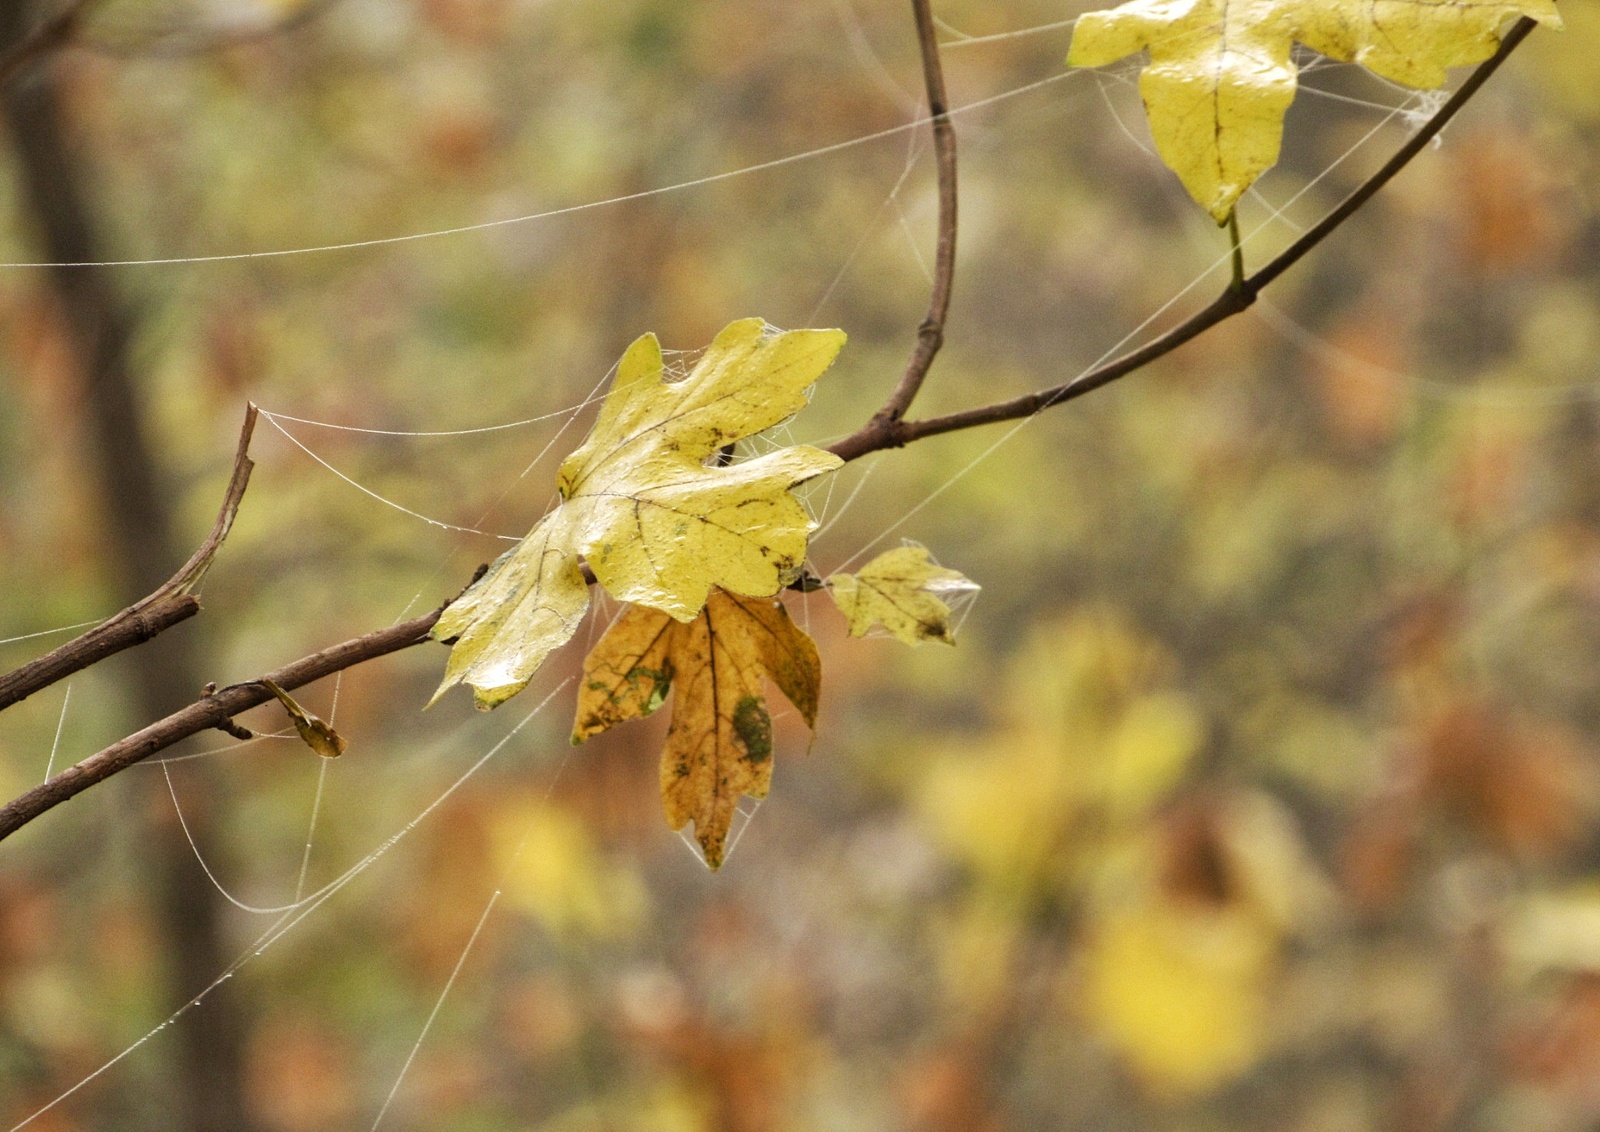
(905,591)
(1220,75)
(657,525)
(720,744)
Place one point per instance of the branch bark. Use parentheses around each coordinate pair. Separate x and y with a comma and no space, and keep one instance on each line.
(146,618)
(930,335)
(49,35)
(54,185)
(888,432)
(212,710)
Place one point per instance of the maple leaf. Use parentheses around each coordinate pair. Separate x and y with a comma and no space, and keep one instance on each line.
(657,526)
(719,746)
(905,591)
(1220,75)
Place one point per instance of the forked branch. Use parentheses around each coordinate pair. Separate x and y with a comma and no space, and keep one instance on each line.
(886,429)
(213,710)
(886,432)
(172,603)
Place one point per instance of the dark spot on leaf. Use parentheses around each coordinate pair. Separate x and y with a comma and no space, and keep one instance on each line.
(660,684)
(754,728)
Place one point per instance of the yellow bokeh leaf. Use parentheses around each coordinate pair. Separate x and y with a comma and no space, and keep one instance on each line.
(1180,991)
(719,747)
(656,524)
(903,590)
(1148,751)
(555,873)
(1220,76)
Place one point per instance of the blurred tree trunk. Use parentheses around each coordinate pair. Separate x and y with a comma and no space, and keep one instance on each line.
(142,552)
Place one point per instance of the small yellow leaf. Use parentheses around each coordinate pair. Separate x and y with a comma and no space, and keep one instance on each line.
(657,525)
(720,744)
(1220,75)
(318,735)
(905,591)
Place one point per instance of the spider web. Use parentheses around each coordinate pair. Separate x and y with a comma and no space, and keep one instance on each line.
(856,511)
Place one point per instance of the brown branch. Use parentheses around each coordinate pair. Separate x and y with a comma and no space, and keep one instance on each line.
(215,709)
(886,432)
(170,604)
(51,35)
(930,335)
(178,42)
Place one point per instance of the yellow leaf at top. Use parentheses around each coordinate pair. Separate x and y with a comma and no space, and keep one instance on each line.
(720,744)
(905,591)
(656,524)
(1220,75)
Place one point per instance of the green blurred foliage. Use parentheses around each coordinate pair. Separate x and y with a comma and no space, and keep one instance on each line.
(1261,791)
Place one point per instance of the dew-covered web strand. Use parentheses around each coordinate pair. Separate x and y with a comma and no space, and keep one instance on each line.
(962,39)
(570,414)
(438,1005)
(488,225)
(1112,351)
(1319,347)
(871,62)
(61,723)
(387,502)
(316,801)
(914,151)
(427,432)
(49,632)
(461,960)
(212,752)
(296,914)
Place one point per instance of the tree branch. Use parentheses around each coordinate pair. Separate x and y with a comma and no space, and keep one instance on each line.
(170,604)
(51,35)
(886,432)
(178,42)
(210,711)
(930,335)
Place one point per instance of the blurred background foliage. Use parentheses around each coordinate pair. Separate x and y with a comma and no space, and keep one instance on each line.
(1261,792)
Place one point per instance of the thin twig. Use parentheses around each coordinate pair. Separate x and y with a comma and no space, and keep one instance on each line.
(212,710)
(149,616)
(930,335)
(880,432)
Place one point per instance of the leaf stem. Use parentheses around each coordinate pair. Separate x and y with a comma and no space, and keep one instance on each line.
(1238,251)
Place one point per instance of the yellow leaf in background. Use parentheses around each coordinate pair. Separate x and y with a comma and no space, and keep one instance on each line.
(720,744)
(1220,76)
(556,874)
(1181,991)
(314,732)
(1002,810)
(657,526)
(1147,752)
(903,590)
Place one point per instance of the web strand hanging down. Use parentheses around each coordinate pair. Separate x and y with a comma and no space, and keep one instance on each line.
(294,915)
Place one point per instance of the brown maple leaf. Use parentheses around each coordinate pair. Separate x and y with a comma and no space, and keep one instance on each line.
(719,746)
